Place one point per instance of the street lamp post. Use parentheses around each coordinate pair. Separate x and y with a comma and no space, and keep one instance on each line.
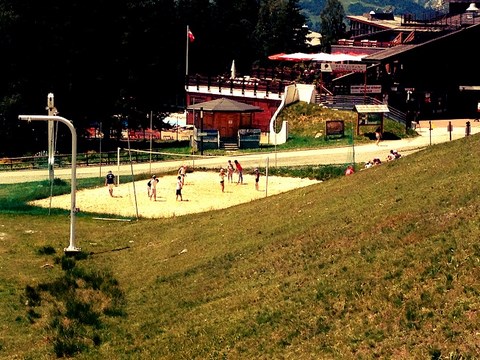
(71,248)
(51,111)
(472,12)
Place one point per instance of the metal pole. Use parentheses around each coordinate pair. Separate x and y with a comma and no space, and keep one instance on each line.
(51,155)
(353,145)
(151,135)
(365,89)
(266,176)
(118,165)
(100,137)
(186,54)
(201,131)
(275,129)
(71,248)
(430,130)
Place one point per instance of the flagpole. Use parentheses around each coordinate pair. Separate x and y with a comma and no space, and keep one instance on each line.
(186,59)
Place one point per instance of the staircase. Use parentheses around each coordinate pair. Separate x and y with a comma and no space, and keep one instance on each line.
(229,145)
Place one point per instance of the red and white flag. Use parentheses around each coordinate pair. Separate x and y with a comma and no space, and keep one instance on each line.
(190,36)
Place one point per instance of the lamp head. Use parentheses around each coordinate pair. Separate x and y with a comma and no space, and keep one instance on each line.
(472,8)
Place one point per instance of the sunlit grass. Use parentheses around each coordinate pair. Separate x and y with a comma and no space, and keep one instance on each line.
(381,264)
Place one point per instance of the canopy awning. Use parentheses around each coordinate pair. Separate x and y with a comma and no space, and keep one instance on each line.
(225,105)
(322,57)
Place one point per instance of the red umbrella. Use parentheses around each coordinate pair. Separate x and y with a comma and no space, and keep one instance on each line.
(276,56)
(298,56)
(292,57)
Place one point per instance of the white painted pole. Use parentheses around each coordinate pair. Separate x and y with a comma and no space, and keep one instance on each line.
(266,176)
(100,150)
(71,248)
(118,166)
(50,124)
(186,53)
(275,129)
(151,135)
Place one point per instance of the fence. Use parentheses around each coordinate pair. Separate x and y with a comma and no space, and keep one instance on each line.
(347,102)
(83,159)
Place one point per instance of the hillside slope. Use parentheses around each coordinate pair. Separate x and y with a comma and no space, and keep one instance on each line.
(381,264)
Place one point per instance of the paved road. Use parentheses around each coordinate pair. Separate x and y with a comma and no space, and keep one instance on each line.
(335,155)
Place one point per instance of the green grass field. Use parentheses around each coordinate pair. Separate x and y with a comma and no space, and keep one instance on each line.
(382,264)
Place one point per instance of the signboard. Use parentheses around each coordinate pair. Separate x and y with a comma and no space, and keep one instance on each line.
(381,108)
(326,67)
(469,87)
(334,127)
(349,67)
(365,89)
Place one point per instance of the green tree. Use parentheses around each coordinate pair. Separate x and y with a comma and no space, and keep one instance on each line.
(106,61)
(236,20)
(280,28)
(332,25)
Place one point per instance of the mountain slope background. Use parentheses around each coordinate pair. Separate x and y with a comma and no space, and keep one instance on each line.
(420,8)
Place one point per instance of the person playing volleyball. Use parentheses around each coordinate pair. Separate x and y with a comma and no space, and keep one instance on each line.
(178,191)
(182,171)
(222,179)
(153,188)
(239,170)
(110,182)
(256,173)
(230,171)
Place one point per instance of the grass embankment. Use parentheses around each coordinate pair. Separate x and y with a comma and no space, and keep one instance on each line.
(381,264)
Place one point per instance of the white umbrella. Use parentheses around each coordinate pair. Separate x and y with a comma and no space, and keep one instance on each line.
(232,70)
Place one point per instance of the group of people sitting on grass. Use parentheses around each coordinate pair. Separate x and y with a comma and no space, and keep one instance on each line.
(392,155)
(374,162)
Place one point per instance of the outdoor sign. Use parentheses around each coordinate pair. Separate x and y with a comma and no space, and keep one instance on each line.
(326,67)
(365,89)
(349,67)
(380,108)
(334,127)
(370,119)
(469,87)
(369,115)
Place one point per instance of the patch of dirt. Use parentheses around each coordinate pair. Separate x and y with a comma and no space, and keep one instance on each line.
(201,192)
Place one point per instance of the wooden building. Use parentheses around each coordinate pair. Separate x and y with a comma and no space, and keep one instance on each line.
(225,115)
(222,121)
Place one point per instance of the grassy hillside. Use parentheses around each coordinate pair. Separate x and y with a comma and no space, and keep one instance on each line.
(381,264)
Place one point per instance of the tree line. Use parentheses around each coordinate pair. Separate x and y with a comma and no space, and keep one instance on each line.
(115,62)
